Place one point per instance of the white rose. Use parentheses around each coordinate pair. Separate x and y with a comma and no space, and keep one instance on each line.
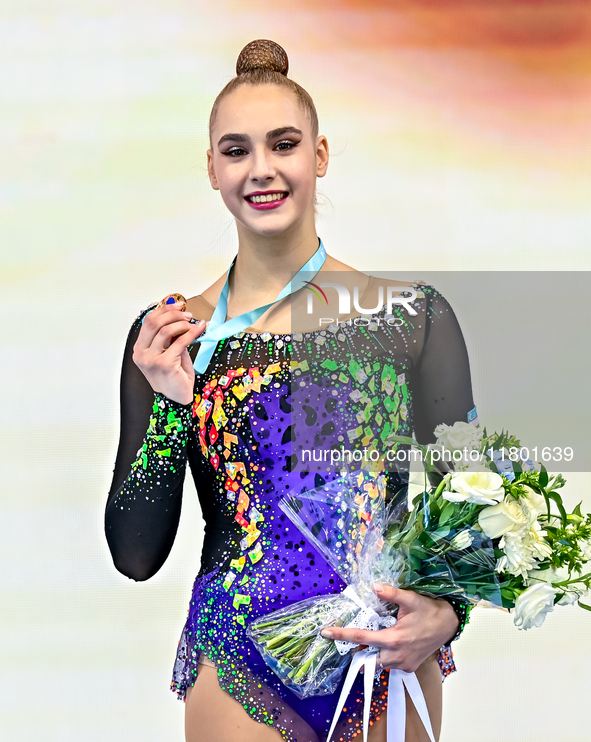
(497,520)
(480,487)
(533,503)
(533,605)
(458,436)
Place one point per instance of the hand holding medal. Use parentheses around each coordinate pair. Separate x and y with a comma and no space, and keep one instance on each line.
(160,351)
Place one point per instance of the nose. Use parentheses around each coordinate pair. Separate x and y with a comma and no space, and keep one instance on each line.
(262,168)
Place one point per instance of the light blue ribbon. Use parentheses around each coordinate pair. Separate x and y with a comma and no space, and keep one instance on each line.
(218,329)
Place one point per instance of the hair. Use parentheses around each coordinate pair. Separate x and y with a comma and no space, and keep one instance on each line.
(263,62)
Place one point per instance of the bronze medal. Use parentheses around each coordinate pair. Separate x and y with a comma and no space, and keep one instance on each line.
(172,298)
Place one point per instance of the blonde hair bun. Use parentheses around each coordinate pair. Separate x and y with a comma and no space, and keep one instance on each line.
(262,54)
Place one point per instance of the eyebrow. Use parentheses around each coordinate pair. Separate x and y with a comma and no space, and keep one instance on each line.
(270,134)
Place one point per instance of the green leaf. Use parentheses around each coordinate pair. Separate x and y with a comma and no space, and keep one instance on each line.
(440,533)
(418,499)
(447,512)
(547,503)
(558,500)
(543,478)
(583,605)
(404,439)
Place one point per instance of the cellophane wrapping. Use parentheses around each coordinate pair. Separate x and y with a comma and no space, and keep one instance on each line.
(354,522)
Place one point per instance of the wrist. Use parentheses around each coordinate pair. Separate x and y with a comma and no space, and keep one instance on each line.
(169,417)
(461,610)
(450,621)
(173,403)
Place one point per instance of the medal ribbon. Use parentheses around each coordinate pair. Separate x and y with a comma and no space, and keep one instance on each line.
(218,329)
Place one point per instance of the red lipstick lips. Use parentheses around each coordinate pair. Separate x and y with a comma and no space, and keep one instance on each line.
(263,205)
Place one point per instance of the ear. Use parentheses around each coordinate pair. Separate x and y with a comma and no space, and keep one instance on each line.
(321,156)
(211,172)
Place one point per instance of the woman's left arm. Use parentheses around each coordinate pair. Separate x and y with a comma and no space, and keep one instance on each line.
(440,383)
(441,393)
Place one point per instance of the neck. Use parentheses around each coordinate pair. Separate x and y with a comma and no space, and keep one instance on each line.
(265,264)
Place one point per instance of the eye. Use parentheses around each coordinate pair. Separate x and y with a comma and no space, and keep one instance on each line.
(285,145)
(235,152)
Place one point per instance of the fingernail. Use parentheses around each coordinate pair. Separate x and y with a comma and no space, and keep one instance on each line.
(188,315)
(326,633)
(378,588)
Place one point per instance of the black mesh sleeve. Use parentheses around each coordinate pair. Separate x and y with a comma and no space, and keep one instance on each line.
(144,503)
(442,393)
(442,388)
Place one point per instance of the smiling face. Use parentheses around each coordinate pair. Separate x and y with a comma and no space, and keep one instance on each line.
(265,160)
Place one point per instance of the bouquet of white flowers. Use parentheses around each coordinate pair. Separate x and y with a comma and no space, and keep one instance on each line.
(540,549)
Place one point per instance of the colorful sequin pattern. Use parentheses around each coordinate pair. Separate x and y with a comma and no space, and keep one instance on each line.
(267,406)
(163,452)
(233,397)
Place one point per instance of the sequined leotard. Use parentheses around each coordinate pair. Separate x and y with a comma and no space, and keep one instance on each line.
(366,381)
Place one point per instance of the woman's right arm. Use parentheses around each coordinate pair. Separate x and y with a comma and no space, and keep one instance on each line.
(144,503)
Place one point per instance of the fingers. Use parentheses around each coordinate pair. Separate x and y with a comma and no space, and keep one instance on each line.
(158,318)
(156,345)
(395,654)
(397,659)
(382,638)
(404,598)
(187,336)
(179,330)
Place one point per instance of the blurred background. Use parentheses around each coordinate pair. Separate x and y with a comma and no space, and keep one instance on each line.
(460,140)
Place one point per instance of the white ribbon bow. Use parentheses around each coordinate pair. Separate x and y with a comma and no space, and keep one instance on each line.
(399,680)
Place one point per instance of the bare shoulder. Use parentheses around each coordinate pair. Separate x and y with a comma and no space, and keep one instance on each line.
(202,304)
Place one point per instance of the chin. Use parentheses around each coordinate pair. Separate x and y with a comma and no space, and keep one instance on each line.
(268,227)
(269,231)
